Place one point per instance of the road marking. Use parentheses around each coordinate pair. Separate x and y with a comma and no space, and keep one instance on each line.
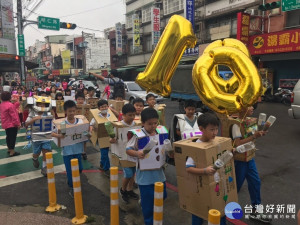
(18,158)
(27,176)
(17,145)
(19,135)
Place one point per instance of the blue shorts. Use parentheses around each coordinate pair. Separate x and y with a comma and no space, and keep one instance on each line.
(39,145)
(129,171)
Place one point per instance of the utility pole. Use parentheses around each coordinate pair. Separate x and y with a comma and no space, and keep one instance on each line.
(83,56)
(20,31)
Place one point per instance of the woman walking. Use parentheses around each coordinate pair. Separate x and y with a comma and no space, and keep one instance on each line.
(10,122)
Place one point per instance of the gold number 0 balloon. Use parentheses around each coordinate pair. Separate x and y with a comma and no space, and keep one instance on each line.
(231,85)
(249,80)
(177,36)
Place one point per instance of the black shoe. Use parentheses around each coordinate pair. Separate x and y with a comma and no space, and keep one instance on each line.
(84,156)
(260,217)
(44,171)
(124,196)
(133,195)
(36,163)
(71,193)
(15,154)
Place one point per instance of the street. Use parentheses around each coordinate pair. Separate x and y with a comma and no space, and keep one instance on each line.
(23,190)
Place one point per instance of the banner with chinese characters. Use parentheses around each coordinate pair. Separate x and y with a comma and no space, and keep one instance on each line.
(136,30)
(119,39)
(66,59)
(243,22)
(189,11)
(155,22)
(283,41)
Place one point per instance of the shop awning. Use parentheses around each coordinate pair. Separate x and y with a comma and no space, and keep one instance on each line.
(124,68)
(141,69)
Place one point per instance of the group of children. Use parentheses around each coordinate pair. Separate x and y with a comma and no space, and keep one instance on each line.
(187,126)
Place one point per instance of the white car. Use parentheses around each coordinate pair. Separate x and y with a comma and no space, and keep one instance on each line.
(133,90)
(294,111)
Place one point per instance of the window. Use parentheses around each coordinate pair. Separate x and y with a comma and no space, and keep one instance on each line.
(293,18)
(146,15)
(129,21)
(171,6)
(148,44)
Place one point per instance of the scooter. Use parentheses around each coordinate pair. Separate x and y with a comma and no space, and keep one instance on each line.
(283,95)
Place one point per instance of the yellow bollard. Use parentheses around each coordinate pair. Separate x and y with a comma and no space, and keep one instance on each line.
(158,203)
(214,217)
(53,206)
(114,196)
(79,218)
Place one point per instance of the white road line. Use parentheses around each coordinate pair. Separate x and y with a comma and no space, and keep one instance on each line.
(17,145)
(18,158)
(19,135)
(27,176)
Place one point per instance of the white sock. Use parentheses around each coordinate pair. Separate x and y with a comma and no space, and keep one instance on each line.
(44,164)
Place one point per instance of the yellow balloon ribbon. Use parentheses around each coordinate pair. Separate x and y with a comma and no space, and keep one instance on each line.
(241,65)
(177,36)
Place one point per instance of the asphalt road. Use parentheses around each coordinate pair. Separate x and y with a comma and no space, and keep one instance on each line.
(277,162)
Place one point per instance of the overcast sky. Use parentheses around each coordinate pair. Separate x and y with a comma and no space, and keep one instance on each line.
(101,14)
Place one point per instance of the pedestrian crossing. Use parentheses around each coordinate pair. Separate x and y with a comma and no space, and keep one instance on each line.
(20,168)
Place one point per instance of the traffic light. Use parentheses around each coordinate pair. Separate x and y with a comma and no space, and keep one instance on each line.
(270,6)
(70,26)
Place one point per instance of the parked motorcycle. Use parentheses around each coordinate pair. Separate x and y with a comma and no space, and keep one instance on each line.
(283,95)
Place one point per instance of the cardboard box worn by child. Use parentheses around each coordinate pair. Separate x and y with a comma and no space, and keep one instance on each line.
(118,149)
(226,129)
(74,133)
(198,194)
(99,134)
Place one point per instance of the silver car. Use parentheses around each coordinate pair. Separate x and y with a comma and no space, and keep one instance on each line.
(133,90)
(294,111)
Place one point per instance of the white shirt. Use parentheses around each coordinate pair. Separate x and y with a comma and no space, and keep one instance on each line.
(190,162)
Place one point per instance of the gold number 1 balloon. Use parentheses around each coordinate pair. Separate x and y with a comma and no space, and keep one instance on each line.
(177,36)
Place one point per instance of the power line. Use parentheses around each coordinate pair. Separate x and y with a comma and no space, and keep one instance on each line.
(37,30)
(82,12)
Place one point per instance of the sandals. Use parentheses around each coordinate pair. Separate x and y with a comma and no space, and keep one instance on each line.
(15,154)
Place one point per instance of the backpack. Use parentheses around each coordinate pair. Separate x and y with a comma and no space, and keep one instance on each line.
(118,87)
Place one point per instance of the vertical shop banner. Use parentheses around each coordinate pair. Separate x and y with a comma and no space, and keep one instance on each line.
(8,28)
(189,14)
(136,31)
(155,23)
(189,11)
(243,24)
(118,39)
(66,59)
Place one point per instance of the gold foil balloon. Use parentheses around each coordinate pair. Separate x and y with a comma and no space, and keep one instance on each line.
(231,85)
(177,36)
(243,68)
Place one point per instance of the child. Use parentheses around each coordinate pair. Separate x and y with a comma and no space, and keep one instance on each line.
(104,161)
(248,170)
(80,100)
(138,104)
(150,100)
(25,106)
(68,92)
(71,151)
(39,146)
(126,190)
(91,93)
(186,126)
(147,178)
(208,124)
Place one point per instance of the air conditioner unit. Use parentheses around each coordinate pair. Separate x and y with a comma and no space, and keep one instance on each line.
(252,12)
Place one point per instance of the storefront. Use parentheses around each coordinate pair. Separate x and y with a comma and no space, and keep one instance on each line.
(278,53)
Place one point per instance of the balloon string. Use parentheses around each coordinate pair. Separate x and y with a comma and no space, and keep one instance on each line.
(241,125)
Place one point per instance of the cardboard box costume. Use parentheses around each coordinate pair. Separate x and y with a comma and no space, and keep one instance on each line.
(74,133)
(100,135)
(156,157)
(200,193)
(118,149)
(247,127)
